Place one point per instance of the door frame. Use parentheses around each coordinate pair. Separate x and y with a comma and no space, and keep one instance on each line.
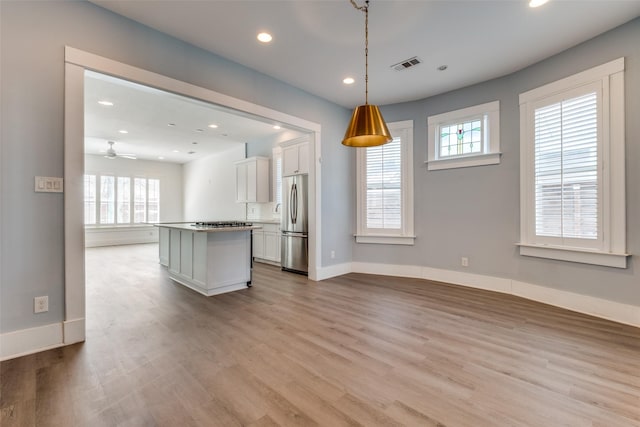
(76,62)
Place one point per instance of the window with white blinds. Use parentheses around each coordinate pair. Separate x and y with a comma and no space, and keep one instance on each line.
(572,183)
(108,200)
(385,189)
(566,169)
(384,186)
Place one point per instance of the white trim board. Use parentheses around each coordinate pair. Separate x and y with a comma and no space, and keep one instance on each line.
(32,340)
(593,306)
(41,338)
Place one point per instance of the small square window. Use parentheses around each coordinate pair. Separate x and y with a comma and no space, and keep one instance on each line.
(467,137)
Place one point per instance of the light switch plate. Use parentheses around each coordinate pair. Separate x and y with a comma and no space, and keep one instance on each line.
(49,184)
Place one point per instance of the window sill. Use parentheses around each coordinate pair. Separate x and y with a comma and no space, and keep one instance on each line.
(464,161)
(385,239)
(608,259)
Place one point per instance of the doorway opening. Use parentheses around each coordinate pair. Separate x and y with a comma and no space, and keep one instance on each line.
(78,66)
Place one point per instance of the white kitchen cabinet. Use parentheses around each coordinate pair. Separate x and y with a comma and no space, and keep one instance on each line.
(295,159)
(252,180)
(258,244)
(163,246)
(266,243)
(209,261)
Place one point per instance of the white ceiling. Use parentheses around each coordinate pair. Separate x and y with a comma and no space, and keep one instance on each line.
(145,113)
(319,42)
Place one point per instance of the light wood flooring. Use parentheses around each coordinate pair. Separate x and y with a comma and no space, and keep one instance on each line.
(353,350)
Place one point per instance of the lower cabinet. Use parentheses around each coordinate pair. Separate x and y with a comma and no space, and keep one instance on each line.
(266,243)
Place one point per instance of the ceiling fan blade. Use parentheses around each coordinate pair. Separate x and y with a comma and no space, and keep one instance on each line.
(128,156)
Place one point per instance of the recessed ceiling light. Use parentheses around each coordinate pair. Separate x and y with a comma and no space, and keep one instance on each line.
(213,126)
(348,81)
(171,124)
(443,67)
(160,158)
(536,3)
(194,143)
(276,127)
(265,37)
(199,130)
(106,103)
(176,151)
(123,131)
(192,152)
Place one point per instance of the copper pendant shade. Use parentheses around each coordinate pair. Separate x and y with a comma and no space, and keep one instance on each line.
(367,127)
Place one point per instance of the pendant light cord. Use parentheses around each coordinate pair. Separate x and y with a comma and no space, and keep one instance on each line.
(365,9)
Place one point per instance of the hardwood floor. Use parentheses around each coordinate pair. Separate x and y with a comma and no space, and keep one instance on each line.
(354,350)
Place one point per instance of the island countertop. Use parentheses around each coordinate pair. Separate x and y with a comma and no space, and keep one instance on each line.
(191,226)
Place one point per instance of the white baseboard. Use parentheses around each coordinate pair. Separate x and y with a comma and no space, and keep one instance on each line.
(618,312)
(112,236)
(330,271)
(598,307)
(74,331)
(28,341)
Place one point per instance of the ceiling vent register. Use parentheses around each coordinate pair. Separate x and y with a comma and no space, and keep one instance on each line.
(407,63)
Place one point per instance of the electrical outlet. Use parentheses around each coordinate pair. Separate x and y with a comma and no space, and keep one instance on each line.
(41,304)
(464,261)
(333,254)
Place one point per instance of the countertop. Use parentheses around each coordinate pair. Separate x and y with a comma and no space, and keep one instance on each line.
(190,227)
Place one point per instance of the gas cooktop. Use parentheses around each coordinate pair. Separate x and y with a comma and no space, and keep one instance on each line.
(221,224)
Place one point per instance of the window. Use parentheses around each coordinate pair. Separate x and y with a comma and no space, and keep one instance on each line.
(107,200)
(114,195)
(385,189)
(124,199)
(90,199)
(463,138)
(139,200)
(572,168)
(153,200)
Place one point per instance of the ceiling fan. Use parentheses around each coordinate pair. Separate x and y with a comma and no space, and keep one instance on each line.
(111,153)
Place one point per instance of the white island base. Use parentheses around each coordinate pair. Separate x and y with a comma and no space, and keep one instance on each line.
(209,262)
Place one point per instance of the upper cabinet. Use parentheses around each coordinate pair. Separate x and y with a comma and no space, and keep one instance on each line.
(252,180)
(295,158)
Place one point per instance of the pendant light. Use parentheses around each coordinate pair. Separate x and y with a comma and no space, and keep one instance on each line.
(367,127)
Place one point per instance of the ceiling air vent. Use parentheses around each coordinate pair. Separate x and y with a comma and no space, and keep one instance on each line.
(407,63)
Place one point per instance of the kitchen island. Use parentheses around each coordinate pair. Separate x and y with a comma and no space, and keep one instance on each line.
(211,258)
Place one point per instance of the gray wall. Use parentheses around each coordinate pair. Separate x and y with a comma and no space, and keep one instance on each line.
(33,35)
(474,212)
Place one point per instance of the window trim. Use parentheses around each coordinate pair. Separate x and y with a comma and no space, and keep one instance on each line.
(404,236)
(488,112)
(612,252)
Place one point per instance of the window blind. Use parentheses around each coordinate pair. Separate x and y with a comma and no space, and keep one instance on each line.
(384,186)
(123,200)
(566,168)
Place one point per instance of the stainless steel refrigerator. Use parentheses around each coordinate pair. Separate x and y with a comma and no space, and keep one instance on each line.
(294,224)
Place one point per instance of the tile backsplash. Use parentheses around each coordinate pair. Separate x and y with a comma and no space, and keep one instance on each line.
(264,211)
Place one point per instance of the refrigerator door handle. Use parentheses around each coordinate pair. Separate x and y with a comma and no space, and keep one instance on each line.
(294,234)
(294,204)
